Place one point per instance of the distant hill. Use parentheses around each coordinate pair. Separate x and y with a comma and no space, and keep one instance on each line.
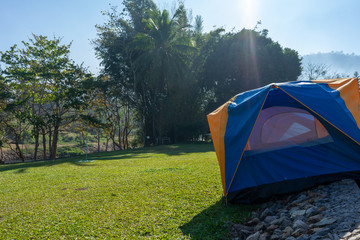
(337,62)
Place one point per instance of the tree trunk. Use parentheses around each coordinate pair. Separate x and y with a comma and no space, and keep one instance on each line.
(98,141)
(36,145)
(54,142)
(107,144)
(2,161)
(119,137)
(50,141)
(18,149)
(44,142)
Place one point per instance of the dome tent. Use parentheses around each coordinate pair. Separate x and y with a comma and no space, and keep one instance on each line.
(287,137)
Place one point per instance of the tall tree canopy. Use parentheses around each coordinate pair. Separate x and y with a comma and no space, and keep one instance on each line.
(151,58)
(247,60)
(173,74)
(45,90)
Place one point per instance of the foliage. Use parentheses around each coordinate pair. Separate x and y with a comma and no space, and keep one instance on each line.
(69,151)
(161,75)
(173,74)
(246,60)
(46,90)
(165,192)
(153,64)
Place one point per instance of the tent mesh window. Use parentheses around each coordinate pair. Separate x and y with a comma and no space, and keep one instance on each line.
(279,127)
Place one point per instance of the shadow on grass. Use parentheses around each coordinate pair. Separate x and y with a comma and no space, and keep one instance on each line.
(215,221)
(22,167)
(169,150)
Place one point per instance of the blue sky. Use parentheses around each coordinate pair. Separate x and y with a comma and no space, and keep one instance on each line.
(308,26)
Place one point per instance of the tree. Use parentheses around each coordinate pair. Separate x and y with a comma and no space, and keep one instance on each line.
(49,84)
(245,60)
(148,60)
(164,52)
(313,71)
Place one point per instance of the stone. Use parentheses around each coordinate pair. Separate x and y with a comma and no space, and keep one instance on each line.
(319,233)
(290,238)
(269,219)
(331,212)
(293,209)
(315,218)
(278,221)
(264,236)
(271,228)
(287,232)
(300,224)
(277,234)
(354,237)
(253,222)
(260,226)
(298,232)
(311,211)
(242,231)
(303,237)
(297,214)
(286,223)
(254,236)
(321,209)
(265,213)
(325,221)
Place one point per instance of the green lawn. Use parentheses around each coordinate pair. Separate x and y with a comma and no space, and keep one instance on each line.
(165,192)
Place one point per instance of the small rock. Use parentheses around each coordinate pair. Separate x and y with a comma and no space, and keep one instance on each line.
(303,237)
(290,238)
(294,209)
(265,213)
(242,231)
(254,236)
(277,234)
(354,237)
(287,232)
(278,221)
(311,211)
(325,221)
(264,236)
(253,222)
(286,223)
(321,209)
(319,233)
(300,224)
(269,219)
(315,218)
(272,228)
(259,227)
(297,214)
(298,232)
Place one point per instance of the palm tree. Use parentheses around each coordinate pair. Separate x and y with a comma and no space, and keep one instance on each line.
(165,47)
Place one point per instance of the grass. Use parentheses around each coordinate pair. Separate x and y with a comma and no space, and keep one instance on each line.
(165,192)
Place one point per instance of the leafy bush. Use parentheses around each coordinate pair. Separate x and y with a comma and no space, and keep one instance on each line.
(69,151)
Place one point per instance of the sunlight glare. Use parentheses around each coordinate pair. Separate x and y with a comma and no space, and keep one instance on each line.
(248,9)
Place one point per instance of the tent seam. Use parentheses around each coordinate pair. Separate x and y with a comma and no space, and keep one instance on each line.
(319,115)
(227,191)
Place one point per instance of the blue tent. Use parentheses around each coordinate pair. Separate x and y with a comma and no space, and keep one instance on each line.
(287,137)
